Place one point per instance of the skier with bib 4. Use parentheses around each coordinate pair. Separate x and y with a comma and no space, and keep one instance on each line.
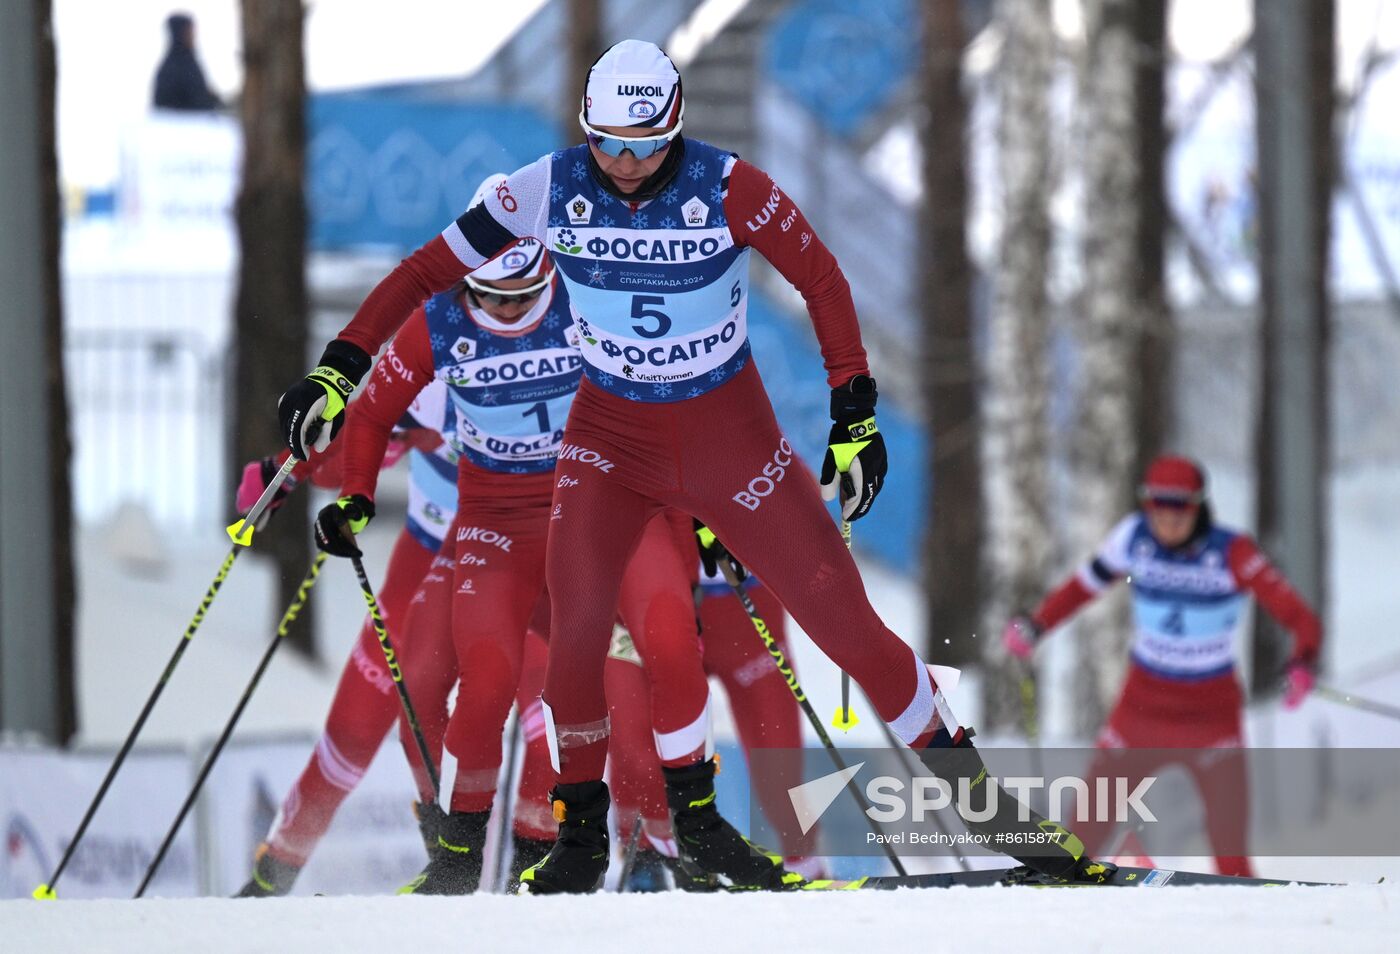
(1190,578)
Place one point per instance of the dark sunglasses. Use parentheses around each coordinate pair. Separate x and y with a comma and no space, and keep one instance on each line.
(643,147)
(615,146)
(1172,503)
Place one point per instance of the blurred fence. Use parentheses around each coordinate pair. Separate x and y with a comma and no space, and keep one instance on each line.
(1217,374)
(146,362)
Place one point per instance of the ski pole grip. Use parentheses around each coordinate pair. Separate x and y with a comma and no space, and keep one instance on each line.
(241,531)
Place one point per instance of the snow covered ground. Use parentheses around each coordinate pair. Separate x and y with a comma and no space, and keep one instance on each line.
(1352,919)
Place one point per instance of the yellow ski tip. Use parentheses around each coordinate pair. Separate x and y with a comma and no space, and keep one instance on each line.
(241,533)
(845,719)
(44,893)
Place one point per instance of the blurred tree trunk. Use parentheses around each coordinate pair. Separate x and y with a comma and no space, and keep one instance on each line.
(1016,454)
(1108,335)
(585,32)
(271,311)
(952,561)
(1157,356)
(37,585)
(65,589)
(1294,69)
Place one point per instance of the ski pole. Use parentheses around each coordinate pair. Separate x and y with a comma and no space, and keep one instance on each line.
(780,659)
(1030,716)
(395,673)
(890,739)
(894,743)
(1357,702)
(293,611)
(844,719)
(629,855)
(241,530)
(1065,838)
(505,812)
(45,892)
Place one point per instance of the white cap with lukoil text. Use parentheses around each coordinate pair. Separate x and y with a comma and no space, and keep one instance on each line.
(633,84)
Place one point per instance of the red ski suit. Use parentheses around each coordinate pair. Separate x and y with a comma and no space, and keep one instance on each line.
(693,454)
(1181,692)
(498,577)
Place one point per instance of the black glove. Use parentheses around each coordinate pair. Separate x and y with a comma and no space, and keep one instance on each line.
(319,399)
(712,552)
(337,524)
(855,453)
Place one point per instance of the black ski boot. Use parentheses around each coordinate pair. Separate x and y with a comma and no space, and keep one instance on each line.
(454,866)
(579,859)
(271,878)
(709,846)
(525,853)
(1050,850)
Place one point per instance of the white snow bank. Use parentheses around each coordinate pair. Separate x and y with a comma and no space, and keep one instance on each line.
(1354,919)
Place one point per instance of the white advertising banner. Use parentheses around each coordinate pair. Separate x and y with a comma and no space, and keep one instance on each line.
(43,795)
(371,847)
(180,170)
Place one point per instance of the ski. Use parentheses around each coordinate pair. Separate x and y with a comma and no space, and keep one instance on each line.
(1109,876)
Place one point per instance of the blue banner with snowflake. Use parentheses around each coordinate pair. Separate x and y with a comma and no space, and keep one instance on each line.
(388,168)
(844,59)
(791,365)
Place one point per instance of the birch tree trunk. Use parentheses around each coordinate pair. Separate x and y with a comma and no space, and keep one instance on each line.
(1016,428)
(1108,332)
